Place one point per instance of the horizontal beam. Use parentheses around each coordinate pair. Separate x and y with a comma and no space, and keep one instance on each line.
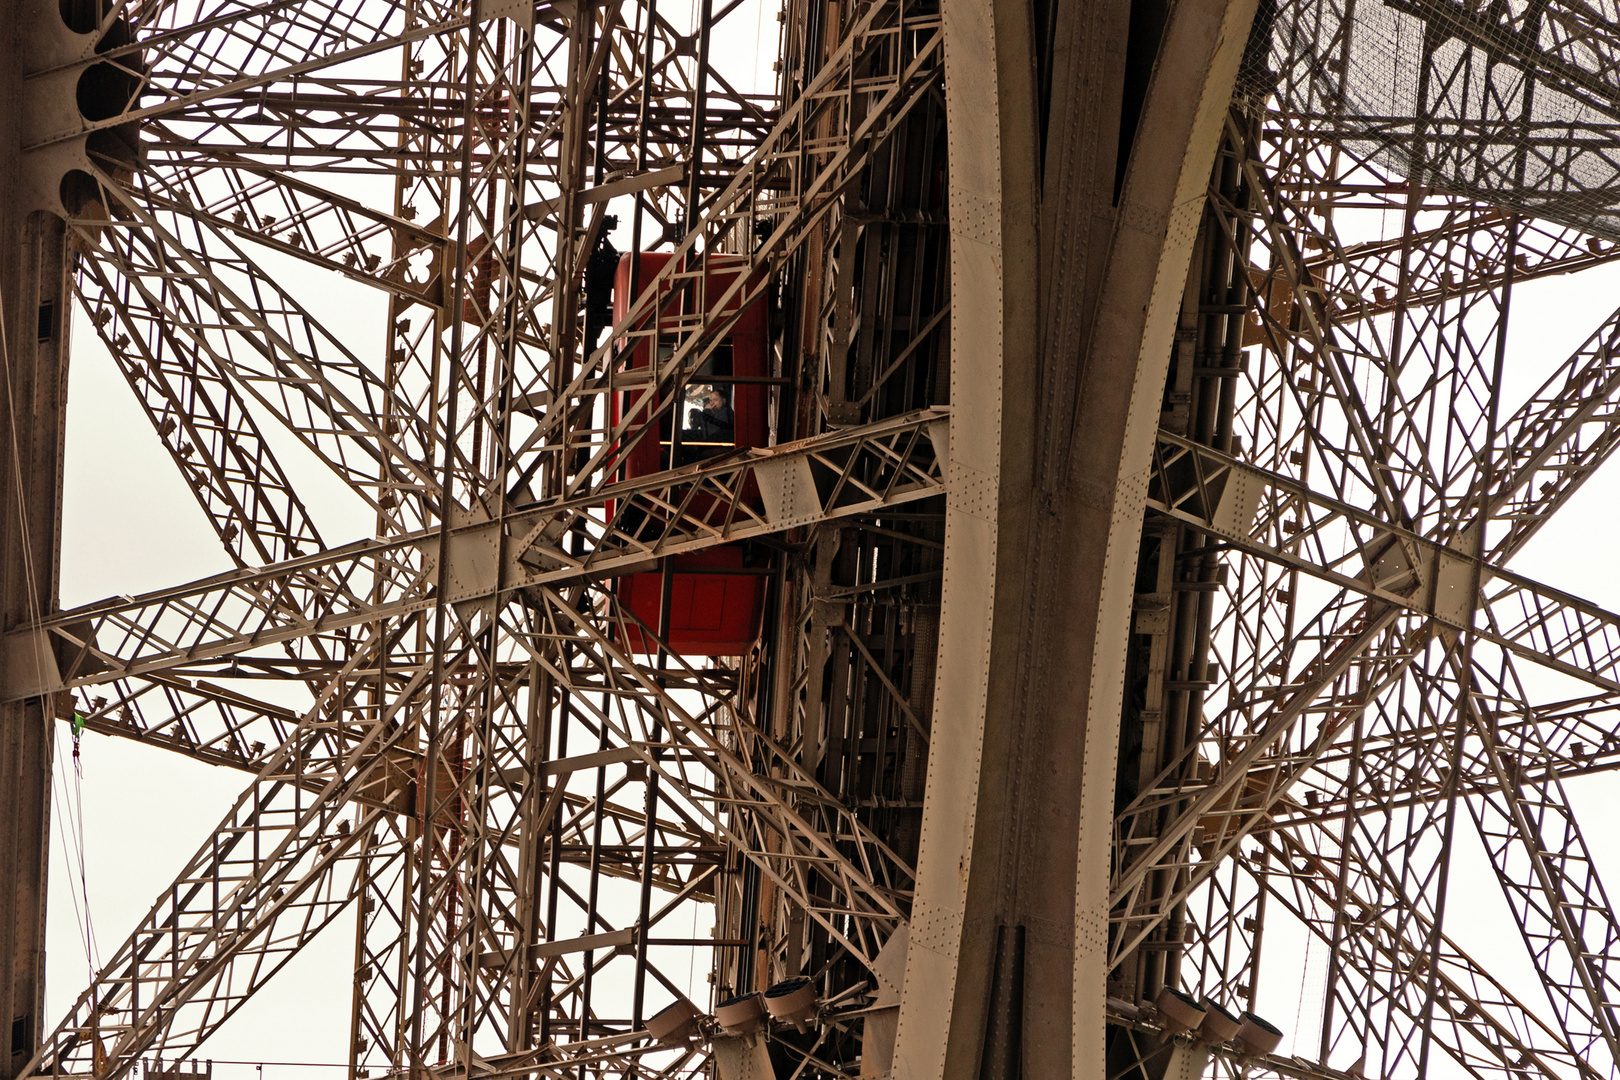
(623,527)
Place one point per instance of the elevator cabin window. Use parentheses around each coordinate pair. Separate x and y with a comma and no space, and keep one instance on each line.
(717,596)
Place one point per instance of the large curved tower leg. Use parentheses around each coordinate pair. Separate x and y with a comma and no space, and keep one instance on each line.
(1056,378)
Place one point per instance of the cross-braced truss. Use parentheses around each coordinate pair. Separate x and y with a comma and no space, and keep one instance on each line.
(486,749)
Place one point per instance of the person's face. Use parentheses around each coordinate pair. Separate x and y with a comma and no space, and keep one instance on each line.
(716,399)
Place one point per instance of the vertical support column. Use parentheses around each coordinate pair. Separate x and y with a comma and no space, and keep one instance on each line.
(952,958)
(33,295)
(1161,202)
(33,362)
(25,761)
(1069,256)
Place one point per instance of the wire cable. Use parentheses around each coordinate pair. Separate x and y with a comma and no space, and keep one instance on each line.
(31,598)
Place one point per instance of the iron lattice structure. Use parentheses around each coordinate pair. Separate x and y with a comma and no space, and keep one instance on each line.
(518,787)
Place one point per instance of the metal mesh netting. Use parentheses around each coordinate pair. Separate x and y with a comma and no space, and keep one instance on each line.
(1514,103)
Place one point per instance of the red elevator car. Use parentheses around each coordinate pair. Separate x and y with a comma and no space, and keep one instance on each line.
(716,596)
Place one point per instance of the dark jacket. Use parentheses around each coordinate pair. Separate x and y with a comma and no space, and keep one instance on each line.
(711,425)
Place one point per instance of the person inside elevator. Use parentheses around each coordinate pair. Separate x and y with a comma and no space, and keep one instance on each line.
(713,423)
